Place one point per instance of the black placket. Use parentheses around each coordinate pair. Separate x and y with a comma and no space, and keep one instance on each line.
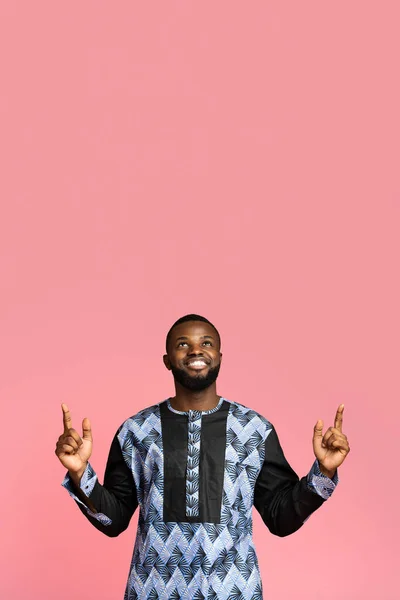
(211,467)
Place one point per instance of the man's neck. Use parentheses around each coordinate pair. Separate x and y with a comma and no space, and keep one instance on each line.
(186,400)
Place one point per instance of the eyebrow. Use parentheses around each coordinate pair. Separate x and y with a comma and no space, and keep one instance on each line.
(203,337)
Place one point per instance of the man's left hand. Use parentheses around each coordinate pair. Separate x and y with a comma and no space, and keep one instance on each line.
(332,448)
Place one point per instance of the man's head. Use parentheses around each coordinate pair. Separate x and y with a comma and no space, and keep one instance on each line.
(193,353)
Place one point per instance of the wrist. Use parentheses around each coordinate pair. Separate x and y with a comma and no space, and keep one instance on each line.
(76,476)
(327,472)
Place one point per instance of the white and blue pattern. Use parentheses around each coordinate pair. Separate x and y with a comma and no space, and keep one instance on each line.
(196,561)
(193,463)
(321,485)
(87,484)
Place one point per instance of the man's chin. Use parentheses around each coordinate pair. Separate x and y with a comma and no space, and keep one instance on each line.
(195,383)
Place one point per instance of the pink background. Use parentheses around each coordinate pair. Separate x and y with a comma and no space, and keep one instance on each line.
(236,159)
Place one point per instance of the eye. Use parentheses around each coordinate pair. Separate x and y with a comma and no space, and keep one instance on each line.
(181,344)
(207,342)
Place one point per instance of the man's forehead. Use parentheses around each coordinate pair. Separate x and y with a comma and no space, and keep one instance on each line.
(193,329)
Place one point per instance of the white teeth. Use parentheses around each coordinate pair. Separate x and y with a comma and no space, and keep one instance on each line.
(197,363)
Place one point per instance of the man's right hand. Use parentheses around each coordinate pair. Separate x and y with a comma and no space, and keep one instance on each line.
(72,450)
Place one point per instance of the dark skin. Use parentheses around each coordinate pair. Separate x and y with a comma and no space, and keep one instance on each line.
(190,342)
(194,347)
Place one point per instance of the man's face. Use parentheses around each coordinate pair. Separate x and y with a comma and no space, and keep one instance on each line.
(193,355)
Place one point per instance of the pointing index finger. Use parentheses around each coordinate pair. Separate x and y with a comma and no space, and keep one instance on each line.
(66,417)
(339,417)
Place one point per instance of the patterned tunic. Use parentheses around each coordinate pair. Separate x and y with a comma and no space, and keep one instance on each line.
(195,477)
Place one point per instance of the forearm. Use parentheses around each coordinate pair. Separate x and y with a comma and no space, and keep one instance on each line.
(75,479)
(108,507)
(283,501)
(290,507)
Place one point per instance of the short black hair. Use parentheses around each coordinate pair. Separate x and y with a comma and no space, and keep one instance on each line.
(185,319)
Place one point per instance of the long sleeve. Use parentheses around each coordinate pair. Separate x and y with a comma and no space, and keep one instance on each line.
(283,501)
(108,507)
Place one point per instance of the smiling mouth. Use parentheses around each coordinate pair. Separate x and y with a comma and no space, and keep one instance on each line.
(197,365)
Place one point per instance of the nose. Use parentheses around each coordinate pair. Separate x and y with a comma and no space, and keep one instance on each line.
(195,350)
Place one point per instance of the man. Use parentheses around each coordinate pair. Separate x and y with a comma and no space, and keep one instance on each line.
(195,464)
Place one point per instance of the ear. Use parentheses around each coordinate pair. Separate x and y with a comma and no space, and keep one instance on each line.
(220,357)
(167,362)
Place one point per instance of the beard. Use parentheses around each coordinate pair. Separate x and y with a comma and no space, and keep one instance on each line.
(195,383)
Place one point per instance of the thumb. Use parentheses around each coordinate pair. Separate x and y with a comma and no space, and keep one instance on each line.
(317,437)
(87,430)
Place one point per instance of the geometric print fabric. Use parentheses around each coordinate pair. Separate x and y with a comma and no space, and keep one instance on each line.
(195,560)
(193,464)
(190,560)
